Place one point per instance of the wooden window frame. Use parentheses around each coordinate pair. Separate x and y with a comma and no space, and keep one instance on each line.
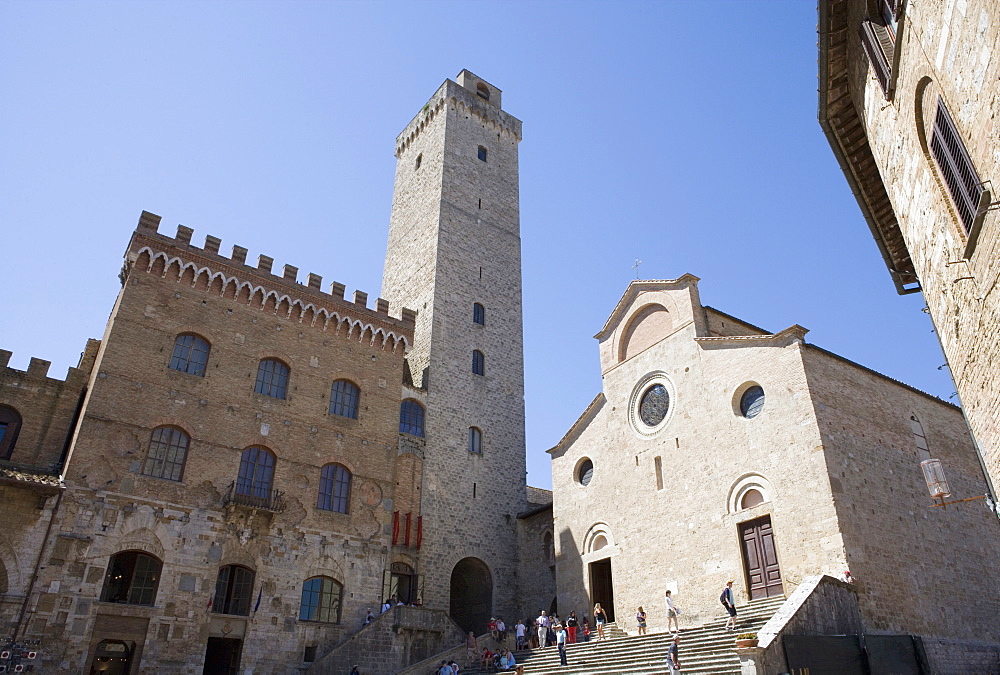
(334,489)
(165,445)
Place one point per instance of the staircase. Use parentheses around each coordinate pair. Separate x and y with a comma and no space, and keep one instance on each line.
(709,648)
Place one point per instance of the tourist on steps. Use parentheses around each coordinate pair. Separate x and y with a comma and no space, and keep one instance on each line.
(561,643)
(729,603)
(673,660)
(600,618)
(672,613)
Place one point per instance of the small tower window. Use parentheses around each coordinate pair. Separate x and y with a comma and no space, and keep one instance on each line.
(420,158)
(479,314)
(475,441)
(478,363)
(482,91)
(482,153)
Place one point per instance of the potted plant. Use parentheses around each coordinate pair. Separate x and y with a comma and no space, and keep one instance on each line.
(744,640)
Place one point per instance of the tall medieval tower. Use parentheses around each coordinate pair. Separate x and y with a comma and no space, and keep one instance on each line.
(454,255)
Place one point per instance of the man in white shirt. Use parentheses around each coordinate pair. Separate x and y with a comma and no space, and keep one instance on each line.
(543,628)
(501,631)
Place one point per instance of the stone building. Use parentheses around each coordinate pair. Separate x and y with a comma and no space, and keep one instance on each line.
(908,102)
(719,451)
(245,465)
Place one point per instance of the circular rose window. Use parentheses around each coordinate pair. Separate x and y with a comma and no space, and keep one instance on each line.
(651,404)
(654,405)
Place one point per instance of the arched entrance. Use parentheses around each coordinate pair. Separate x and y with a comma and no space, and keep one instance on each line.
(471,595)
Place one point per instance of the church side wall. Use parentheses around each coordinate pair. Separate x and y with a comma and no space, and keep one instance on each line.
(914,564)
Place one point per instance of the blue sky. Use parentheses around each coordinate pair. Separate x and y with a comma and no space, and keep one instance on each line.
(683,134)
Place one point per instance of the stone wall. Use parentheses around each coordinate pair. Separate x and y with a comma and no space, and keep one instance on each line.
(191,524)
(950,50)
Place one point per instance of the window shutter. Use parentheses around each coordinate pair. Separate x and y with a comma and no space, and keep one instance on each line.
(419,600)
(964,185)
(386,585)
(878,46)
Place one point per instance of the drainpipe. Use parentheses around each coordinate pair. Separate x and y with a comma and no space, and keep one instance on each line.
(38,565)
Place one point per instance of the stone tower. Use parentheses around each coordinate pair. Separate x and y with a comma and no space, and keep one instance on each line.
(454,255)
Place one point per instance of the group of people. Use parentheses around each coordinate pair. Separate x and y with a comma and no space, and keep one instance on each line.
(550,630)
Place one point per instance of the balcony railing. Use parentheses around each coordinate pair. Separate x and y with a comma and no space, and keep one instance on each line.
(40,478)
(251,497)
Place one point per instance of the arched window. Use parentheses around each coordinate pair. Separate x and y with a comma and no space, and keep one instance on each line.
(321,598)
(272,378)
(548,548)
(420,159)
(475,440)
(190,354)
(132,578)
(411,418)
(168,448)
(482,91)
(256,473)
(478,362)
(10,426)
(334,488)
(344,399)
(233,590)
(479,314)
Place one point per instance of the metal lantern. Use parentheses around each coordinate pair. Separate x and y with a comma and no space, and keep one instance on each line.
(937,484)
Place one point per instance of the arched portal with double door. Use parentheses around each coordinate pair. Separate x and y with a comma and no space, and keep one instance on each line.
(471,595)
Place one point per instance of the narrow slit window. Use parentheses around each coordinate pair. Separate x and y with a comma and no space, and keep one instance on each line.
(482,153)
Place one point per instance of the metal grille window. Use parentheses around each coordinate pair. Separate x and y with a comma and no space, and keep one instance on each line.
(321,597)
(190,355)
(411,418)
(132,578)
(167,453)
(960,176)
(233,590)
(344,399)
(334,488)
(256,473)
(479,314)
(475,441)
(272,378)
(478,362)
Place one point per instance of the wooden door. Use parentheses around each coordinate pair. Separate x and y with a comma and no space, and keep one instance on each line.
(760,559)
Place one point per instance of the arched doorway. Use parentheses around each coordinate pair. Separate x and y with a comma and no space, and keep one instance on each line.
(471,595)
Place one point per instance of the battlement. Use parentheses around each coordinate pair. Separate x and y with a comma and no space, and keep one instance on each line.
(38,369)
(472,96)
(207,268)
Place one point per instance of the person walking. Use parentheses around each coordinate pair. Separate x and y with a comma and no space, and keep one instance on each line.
(672,613)
(673,660)
(729,603)
(561,643)
(600,618)
(519,633)
(571,624)
(471,649)
(640,619)
(542,622)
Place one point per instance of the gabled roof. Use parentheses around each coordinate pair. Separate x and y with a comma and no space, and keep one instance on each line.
(582,421)
(633,290)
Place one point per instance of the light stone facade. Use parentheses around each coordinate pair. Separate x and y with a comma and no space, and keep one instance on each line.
(832,455)
(883,136)
(423,517)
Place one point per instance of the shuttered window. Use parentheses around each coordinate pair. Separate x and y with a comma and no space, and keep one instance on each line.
(878,46)
(964,185)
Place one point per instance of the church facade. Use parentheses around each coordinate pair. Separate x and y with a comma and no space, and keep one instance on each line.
(246,464)
(717,451)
